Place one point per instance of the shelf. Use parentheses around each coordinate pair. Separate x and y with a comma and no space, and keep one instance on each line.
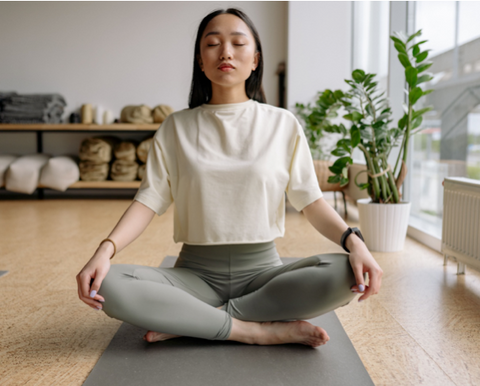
(78,127)
(102,185)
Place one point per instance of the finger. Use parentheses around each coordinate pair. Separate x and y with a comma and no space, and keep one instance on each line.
(97,296)
(89,301)
(358,272)
(95,285)
(374,283)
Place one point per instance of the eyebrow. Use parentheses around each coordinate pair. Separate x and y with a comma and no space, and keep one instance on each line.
(218,33)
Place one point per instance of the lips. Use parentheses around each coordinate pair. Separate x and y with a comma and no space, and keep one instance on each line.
(225,66)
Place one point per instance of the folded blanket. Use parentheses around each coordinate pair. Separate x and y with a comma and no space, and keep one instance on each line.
(97,149)
(124,170)
(31,108)
(91,171)
(160,112)
(136,114)
(143,148)
(125,150)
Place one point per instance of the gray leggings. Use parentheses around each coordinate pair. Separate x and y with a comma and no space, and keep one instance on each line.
(249,280)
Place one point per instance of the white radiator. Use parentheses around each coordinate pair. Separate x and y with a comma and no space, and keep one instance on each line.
(461,222)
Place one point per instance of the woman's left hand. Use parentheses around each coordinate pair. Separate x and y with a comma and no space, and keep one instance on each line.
(362,261)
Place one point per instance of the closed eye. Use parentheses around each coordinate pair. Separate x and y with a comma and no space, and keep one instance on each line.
(212,45)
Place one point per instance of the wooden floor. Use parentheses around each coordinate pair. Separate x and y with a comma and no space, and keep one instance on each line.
(422,328)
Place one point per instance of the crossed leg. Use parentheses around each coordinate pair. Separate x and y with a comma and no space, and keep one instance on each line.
(177,302)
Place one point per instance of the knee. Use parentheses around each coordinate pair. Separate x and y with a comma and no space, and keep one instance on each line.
(111,290)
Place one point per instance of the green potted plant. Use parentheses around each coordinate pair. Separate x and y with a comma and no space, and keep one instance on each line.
(371,132)
(318,127)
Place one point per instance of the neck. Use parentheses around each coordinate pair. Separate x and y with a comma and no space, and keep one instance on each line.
(221,95)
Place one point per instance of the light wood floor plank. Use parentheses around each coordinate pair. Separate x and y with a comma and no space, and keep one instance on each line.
(422,328)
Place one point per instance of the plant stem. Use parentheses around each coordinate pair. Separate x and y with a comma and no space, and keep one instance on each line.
(391,181)
(409,124)
(376,187)
(399,155)
(381,178)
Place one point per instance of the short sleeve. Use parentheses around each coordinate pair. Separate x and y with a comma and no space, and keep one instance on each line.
(155,189)
(303,187)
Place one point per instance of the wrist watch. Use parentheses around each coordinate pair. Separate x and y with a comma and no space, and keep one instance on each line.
(347,233)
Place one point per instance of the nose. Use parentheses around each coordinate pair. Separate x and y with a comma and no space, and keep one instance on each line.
(226,54)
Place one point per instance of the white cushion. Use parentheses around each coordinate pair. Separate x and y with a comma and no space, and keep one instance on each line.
(59,173)
(23,173)
(5,161)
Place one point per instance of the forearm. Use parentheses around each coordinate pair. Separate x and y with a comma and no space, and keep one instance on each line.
(329,223)
(131,225)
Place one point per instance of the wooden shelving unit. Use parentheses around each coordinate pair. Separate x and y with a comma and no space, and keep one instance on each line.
(102,185)
(40,128)
(79,127)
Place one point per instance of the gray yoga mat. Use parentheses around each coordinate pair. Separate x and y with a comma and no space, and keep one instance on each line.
(184,361)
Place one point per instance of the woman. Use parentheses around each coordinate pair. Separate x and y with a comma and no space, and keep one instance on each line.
(227,162)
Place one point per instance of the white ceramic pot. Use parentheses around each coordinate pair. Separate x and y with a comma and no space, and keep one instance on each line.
(383,226)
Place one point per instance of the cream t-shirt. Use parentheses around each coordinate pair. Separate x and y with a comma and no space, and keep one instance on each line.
(227,168)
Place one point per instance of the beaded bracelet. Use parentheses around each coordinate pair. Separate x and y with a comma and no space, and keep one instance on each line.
(114,246)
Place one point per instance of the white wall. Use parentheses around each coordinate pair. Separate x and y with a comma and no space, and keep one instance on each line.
(115,54)
(319,49)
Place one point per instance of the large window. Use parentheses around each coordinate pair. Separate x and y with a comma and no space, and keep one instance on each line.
(449,144)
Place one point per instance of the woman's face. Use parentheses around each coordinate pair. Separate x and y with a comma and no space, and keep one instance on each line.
(227,39)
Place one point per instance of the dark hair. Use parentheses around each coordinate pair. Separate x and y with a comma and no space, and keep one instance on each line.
(201,88)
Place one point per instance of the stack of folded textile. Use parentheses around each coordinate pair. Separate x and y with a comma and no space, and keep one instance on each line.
(95,154)
(125,167)
(31,108)
(142,153)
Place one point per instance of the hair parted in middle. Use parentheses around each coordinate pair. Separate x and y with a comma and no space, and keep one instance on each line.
(201,87)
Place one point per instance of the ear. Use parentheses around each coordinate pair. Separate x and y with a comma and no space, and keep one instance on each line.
(256,60)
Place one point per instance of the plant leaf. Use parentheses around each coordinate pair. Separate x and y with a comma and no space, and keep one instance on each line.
(339,152)
(424,66)
(358,75)
(417,122)
(415,114)
(397,40)
(411,76)
(418,33)
(415,94)
(400,47)
(355,134)
(422,56)
(404,60)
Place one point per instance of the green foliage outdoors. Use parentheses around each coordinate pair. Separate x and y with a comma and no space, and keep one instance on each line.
(370,117)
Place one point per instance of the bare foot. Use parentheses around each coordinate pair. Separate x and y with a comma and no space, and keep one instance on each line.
(269,333)
(153,336)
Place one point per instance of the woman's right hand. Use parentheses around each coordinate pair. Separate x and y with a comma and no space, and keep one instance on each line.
(95,270)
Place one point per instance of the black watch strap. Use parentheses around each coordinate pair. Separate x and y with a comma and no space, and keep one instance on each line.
(347,233)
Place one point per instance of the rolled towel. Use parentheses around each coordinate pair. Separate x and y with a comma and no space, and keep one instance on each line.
(59,173)
(97,149)
(136,114)
(160,112)
(124,170)
(91,171)
(141,171)
(23,174)
(143,148)
(5,161)
(125,150)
